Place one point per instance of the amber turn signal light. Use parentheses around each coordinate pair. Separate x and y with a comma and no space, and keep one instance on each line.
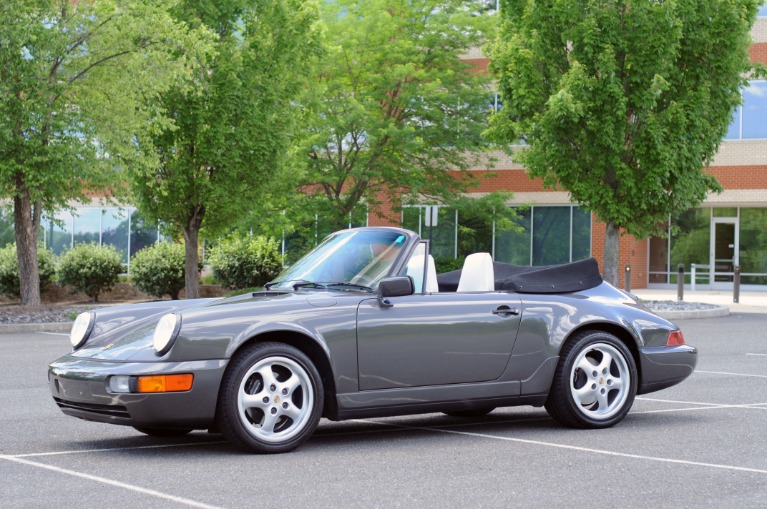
(675,338)
(165,383)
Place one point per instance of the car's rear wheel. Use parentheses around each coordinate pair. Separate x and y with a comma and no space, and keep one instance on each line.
(595,382)
(271,398)
(163,432)
(474,412)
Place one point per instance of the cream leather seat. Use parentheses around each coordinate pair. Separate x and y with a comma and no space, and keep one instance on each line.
(477,274)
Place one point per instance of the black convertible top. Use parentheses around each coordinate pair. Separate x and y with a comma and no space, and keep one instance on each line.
(567,277)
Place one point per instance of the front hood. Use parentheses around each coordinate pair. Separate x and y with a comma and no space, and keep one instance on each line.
(125,333)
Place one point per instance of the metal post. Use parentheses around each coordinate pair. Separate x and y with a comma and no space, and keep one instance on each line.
(680,282)
(736,285)
(693,277)
(628,278)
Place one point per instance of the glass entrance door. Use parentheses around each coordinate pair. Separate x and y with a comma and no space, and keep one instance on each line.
(724,249)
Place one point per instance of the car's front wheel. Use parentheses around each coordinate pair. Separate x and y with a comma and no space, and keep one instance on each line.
(595,382)
(271,398)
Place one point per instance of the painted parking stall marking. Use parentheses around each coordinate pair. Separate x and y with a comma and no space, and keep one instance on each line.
(572,447)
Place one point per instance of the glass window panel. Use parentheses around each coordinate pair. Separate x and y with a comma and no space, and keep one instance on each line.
(725,212)
(7,233)
(411,218)
(324,227)
(299,243)
(658,260)
(753,244)
(443,235)
(514,246)
(551,235)
(359,216)
(581,234)
(691,243)
(59,232)
(475,234)
(87,225)
(114,230)
(762,11)
(755,110)
(142,233)
(733,132)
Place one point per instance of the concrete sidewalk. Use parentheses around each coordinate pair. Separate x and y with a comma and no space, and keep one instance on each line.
(749,302)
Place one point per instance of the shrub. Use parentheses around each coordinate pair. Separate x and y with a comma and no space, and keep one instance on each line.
(159,269)
(90,269)
(244,262)
(9,269)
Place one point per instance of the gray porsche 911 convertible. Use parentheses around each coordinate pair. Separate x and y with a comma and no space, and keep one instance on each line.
(363,326)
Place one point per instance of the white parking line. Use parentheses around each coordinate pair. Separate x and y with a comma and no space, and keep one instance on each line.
(575,448)
(758,354)
(54,333)
(110,482)
(730,374)
(643,398)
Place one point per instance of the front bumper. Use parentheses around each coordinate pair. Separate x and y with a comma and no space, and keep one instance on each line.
(664,366)
(80,388)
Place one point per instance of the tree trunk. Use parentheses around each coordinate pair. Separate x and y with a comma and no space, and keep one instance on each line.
(192,258)
(612,242)
(26,217)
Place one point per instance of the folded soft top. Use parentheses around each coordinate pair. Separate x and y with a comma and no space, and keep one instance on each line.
(567,277)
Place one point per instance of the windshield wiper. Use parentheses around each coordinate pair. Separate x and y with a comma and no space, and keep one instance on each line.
(350,285)
(297,283)
(303,283)
(300,283)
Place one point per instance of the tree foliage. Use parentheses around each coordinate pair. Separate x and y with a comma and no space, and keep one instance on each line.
(90,268)
(233,119)
(77,81)
(244,261)
(9,269)
(396,107)
(158,270)
(622,102)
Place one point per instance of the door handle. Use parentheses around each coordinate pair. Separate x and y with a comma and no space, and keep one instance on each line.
(504,311)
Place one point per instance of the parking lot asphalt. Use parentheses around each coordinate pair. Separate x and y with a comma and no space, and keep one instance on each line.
(702,443)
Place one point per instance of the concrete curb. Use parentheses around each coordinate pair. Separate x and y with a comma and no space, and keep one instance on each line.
(25,328)
(685,314)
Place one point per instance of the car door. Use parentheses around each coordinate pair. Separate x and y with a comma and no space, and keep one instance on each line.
(435,339)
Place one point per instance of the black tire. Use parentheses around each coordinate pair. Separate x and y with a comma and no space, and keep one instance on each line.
(163,432)
(475,412)
(271,399)
(595,382)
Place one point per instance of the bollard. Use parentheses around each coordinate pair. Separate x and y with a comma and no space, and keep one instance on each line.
(693,276)
(627,283)
(736,285)
(680,282)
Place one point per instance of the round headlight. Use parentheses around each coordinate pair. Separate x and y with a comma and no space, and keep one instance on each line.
(81,329)
(165,332)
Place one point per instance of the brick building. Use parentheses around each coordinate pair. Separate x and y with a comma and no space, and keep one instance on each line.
(726,230)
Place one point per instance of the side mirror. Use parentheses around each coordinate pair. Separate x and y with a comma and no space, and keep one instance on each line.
(397,286)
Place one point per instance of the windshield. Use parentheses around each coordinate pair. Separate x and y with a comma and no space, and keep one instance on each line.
(349,258)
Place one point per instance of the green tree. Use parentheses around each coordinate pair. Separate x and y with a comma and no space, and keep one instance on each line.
(622,102)
(76,79)
(233,120)
(396,107)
